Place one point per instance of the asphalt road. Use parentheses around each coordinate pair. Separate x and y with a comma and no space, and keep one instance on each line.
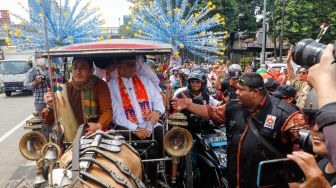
(14,111)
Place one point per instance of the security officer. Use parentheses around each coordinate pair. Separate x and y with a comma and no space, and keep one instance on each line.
(259,127)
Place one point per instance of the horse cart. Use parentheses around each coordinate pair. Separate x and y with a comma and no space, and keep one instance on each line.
(104,158)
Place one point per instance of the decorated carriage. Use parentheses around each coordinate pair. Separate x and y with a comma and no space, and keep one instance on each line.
(65,157)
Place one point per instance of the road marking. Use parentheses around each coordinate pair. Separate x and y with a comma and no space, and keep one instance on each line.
(3,137)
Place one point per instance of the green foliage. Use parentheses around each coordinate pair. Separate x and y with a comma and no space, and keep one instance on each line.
(125,31)
(303,19)
(245,62)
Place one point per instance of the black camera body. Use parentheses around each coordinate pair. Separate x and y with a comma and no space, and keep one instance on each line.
(308,52)
(305,141)
(43,77)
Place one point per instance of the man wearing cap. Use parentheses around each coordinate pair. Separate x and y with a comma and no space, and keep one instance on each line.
(229,84)
(286,94)
(38,82)
(271,84)
(259,127)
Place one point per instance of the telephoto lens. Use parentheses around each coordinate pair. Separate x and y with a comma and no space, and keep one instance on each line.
(308,52)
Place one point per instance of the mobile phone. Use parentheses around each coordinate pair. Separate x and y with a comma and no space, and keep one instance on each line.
(278,172)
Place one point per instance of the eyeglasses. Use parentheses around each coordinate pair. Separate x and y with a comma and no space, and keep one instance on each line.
(302,72)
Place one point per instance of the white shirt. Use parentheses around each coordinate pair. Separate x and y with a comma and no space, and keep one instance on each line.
(119,116)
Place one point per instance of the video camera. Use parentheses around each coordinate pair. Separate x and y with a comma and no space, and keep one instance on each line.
(308,52)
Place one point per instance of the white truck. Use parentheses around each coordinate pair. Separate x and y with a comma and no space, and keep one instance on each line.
(13,75)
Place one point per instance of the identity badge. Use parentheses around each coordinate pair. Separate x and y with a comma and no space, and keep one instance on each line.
(270,122)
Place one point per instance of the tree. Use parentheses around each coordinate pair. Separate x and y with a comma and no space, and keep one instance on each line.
(303,19)
(125,31)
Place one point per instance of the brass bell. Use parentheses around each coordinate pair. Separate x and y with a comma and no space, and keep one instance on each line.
(65,179)
(39,179)
(50,154)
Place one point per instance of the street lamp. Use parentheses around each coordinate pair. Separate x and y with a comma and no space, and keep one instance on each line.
(282,29)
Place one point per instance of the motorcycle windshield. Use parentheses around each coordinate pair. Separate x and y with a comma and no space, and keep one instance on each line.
(14,67)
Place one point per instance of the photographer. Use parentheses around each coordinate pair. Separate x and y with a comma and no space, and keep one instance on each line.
(38,82)
(322,77)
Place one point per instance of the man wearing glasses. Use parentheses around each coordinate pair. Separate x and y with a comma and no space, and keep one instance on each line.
(300,84)
(259,127)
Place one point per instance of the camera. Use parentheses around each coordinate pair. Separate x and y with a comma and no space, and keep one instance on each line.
(305,141)
(308,52)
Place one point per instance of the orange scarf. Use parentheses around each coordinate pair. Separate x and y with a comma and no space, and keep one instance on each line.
(141,96)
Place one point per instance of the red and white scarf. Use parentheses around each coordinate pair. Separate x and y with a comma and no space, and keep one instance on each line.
(141,95)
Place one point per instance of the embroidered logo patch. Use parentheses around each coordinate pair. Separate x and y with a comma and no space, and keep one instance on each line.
(270,122)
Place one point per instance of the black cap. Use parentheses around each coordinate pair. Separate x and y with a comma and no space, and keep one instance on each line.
(252,80)
(271,84)
(284,91)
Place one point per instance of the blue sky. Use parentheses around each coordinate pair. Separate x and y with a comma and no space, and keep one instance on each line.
(111,10)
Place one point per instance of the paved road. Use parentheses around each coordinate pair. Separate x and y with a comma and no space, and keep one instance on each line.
(13,112)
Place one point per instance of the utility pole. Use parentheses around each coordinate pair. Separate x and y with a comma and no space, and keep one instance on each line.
(282,29)
(274,31)
(262,57)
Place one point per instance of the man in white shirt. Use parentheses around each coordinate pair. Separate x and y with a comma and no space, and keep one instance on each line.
(136,102)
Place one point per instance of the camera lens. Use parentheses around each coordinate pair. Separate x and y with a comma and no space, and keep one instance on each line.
(305,141)
(307,52)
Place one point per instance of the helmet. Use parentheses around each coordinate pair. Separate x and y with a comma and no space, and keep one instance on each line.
(235,67)
(261,71)
(197,75)
(202,69)
(184,72)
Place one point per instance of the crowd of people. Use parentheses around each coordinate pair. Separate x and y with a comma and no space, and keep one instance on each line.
(263,110)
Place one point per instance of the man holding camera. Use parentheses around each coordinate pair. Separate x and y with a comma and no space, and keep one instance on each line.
(322,77)
(38,82)
(259,127)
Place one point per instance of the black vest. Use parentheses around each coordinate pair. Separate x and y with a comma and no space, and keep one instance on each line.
(195,122)
(252,151)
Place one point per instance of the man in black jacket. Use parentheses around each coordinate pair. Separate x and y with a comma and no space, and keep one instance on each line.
(259,127)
